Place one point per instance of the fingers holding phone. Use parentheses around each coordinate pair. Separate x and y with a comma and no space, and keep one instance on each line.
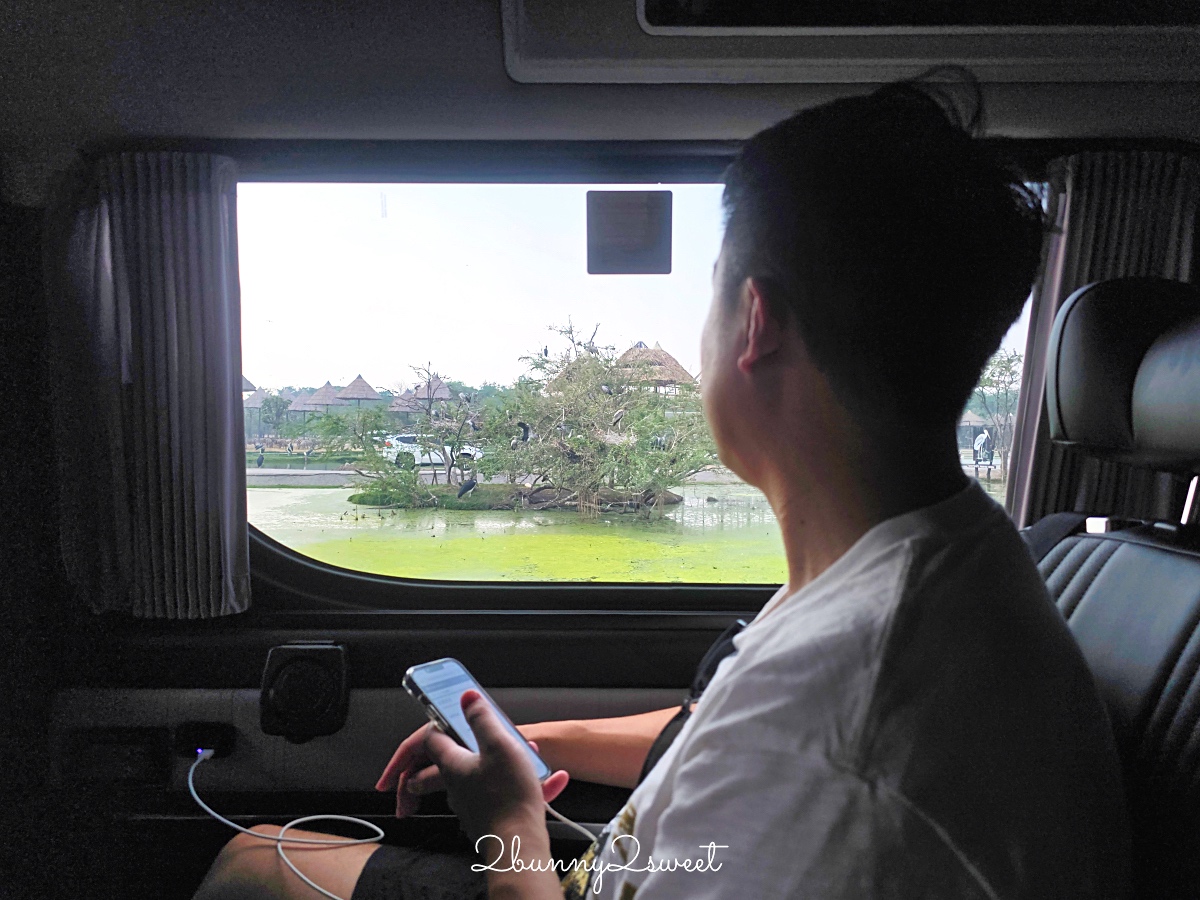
(499,784)
(477,767)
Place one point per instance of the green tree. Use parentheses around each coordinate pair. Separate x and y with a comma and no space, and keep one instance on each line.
(351,429)
(446,426)
(274,412)
(584,425)
(361,432)
(996,398)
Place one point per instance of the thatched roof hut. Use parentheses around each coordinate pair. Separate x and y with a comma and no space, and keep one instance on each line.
(358,390)
(653,365)
(433,389)
(406,403)
(247,385)
(302,402)
(325,396)
(255,400)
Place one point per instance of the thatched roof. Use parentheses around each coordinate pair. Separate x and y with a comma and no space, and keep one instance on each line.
(325,396)
(255,400)
(301,402)
(970,418)
(247,385)
(358,389)
(653,364)
(434,389)
(406,402)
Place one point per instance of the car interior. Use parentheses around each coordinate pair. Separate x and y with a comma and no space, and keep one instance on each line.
(299,688)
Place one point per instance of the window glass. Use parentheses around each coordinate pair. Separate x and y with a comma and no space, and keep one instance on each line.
(439,389)
(985,430)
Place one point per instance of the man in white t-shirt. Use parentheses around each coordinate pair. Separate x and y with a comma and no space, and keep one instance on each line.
(909,717)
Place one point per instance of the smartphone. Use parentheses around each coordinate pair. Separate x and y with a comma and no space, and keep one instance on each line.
(438,687)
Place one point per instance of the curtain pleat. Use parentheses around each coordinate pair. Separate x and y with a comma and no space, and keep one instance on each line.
(147,333)
(1120,214)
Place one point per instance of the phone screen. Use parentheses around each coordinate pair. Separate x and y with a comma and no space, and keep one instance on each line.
(442,683)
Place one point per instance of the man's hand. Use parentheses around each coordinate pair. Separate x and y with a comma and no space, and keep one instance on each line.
(605,751)
(411,773)
(496,789)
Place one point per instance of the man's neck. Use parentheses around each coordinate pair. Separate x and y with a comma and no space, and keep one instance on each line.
(828,500)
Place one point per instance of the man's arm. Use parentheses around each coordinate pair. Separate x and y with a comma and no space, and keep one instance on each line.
(605,751)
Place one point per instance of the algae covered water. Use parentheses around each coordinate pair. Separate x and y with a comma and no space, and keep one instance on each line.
(720,533)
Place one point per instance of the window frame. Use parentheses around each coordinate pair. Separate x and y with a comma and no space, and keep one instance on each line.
(285,581)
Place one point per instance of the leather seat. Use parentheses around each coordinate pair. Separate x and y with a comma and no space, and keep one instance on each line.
(1123,382)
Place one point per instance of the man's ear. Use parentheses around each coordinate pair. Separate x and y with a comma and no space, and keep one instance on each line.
(764,330)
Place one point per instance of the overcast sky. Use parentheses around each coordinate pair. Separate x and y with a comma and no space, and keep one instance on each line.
(343,279)
(346,279)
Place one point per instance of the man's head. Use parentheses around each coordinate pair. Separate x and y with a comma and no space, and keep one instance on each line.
(884,246)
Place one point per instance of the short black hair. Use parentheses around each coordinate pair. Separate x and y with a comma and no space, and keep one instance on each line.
(899,245)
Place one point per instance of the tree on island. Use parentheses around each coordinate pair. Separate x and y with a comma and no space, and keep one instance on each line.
(447,421)
(583,430)
(360,432)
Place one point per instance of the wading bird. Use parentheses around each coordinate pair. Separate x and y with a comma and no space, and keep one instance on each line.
(467,487)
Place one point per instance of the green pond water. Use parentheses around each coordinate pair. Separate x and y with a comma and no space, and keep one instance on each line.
(732,540)
(721,533)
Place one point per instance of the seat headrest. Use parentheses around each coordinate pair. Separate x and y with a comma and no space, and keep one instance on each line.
(1123,374)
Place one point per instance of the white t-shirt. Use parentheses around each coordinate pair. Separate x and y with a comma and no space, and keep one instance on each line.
(917,722)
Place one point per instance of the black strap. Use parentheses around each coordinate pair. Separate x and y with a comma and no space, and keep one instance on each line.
(1044,534)
(721,648)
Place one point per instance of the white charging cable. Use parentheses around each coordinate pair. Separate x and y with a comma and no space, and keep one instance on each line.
(554,812)
(280,839)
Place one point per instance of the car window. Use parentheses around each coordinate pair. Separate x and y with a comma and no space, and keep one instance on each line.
(439,389)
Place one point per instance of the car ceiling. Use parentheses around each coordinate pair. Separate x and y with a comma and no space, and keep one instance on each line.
(90,72)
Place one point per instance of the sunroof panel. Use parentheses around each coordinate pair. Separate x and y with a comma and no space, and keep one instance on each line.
(786,14)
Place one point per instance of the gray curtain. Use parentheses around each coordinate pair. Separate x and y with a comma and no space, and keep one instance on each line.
(1116,214)
(145,344)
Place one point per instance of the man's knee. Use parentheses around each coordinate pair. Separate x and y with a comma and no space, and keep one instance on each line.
(245,867)
(242,842)
(249,867)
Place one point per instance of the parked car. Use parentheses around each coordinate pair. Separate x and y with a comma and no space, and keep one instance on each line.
(411,443)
